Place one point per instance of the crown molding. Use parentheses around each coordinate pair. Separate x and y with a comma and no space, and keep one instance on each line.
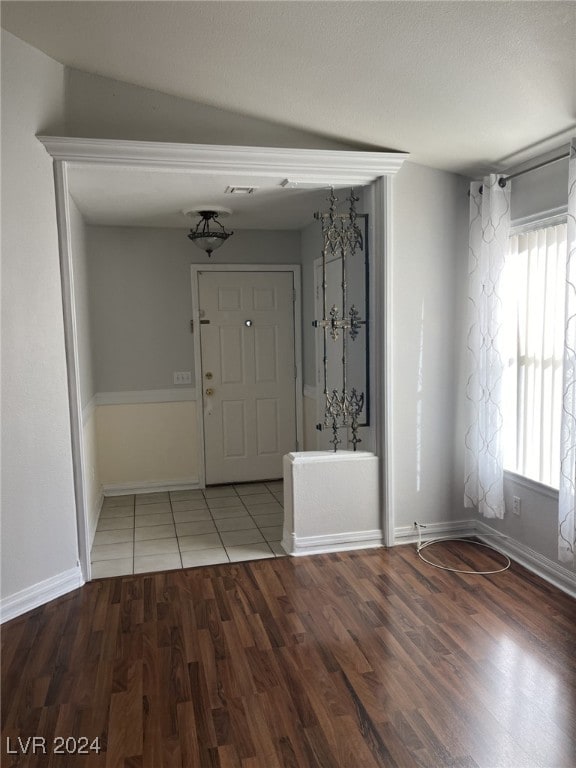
(301,166)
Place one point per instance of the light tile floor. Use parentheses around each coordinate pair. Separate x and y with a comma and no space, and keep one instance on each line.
(182,529)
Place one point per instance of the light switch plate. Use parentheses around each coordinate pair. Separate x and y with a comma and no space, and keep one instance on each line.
(182,377)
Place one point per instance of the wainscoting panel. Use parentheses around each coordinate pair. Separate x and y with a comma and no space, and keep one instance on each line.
(147,444)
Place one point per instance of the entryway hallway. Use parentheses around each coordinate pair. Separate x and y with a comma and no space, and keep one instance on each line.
(181,529)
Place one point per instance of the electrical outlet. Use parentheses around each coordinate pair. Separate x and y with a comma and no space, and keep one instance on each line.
(516,505)
(182,377)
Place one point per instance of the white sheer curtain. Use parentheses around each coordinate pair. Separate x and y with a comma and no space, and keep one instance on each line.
(489,230)
(567,518)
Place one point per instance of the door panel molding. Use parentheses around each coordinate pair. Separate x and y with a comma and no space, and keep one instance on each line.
(296,276)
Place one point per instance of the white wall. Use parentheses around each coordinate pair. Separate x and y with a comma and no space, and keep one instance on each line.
(81,277)
(98,107)
(38,508)
(81,280)
(430,239)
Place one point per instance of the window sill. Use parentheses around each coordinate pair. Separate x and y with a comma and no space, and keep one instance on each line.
(531,485)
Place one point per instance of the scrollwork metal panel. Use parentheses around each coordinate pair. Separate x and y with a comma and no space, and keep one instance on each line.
(342,238)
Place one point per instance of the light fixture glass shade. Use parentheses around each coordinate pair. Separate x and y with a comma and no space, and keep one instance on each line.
(208,243)
(209,239)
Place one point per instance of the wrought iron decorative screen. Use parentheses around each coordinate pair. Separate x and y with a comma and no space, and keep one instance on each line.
(343,325)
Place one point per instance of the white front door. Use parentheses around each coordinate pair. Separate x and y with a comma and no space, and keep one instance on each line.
(248,373)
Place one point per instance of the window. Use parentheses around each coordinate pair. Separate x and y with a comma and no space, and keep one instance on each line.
(534,297)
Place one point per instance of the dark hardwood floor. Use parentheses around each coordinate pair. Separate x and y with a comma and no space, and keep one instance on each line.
(360,659)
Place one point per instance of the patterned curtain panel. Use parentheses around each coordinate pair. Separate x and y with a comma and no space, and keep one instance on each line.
(567,518)
(489,230)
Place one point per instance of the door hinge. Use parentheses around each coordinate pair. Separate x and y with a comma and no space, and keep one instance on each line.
(294,296)
(295,371)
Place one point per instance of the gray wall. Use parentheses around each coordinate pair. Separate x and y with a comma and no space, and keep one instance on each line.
(311,245)
(541,190)
(537,525)
(98,107)
(140,294)
(430,241)
(38,508)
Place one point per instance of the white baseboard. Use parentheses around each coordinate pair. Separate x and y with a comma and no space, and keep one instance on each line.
(542,566)
(337,542)
(41,593)
(533,561)
(124,489)
(408,534)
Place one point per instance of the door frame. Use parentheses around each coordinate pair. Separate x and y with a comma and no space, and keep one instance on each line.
(302,167)
(297,283)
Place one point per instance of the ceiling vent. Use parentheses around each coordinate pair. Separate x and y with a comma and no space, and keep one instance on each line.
(240,190)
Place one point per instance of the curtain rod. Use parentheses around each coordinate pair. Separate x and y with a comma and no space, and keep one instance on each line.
(502,181)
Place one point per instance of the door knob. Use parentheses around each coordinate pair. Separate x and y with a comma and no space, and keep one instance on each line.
(209,391)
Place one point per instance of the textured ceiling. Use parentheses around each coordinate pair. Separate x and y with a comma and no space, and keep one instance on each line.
(111,196)
(460,85)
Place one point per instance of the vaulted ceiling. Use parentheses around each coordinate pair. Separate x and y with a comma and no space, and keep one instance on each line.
(462,86)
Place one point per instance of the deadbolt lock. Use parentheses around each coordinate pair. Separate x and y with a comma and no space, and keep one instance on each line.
(209,375)
(209,391)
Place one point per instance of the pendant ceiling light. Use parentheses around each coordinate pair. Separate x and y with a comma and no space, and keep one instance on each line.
(209,234)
